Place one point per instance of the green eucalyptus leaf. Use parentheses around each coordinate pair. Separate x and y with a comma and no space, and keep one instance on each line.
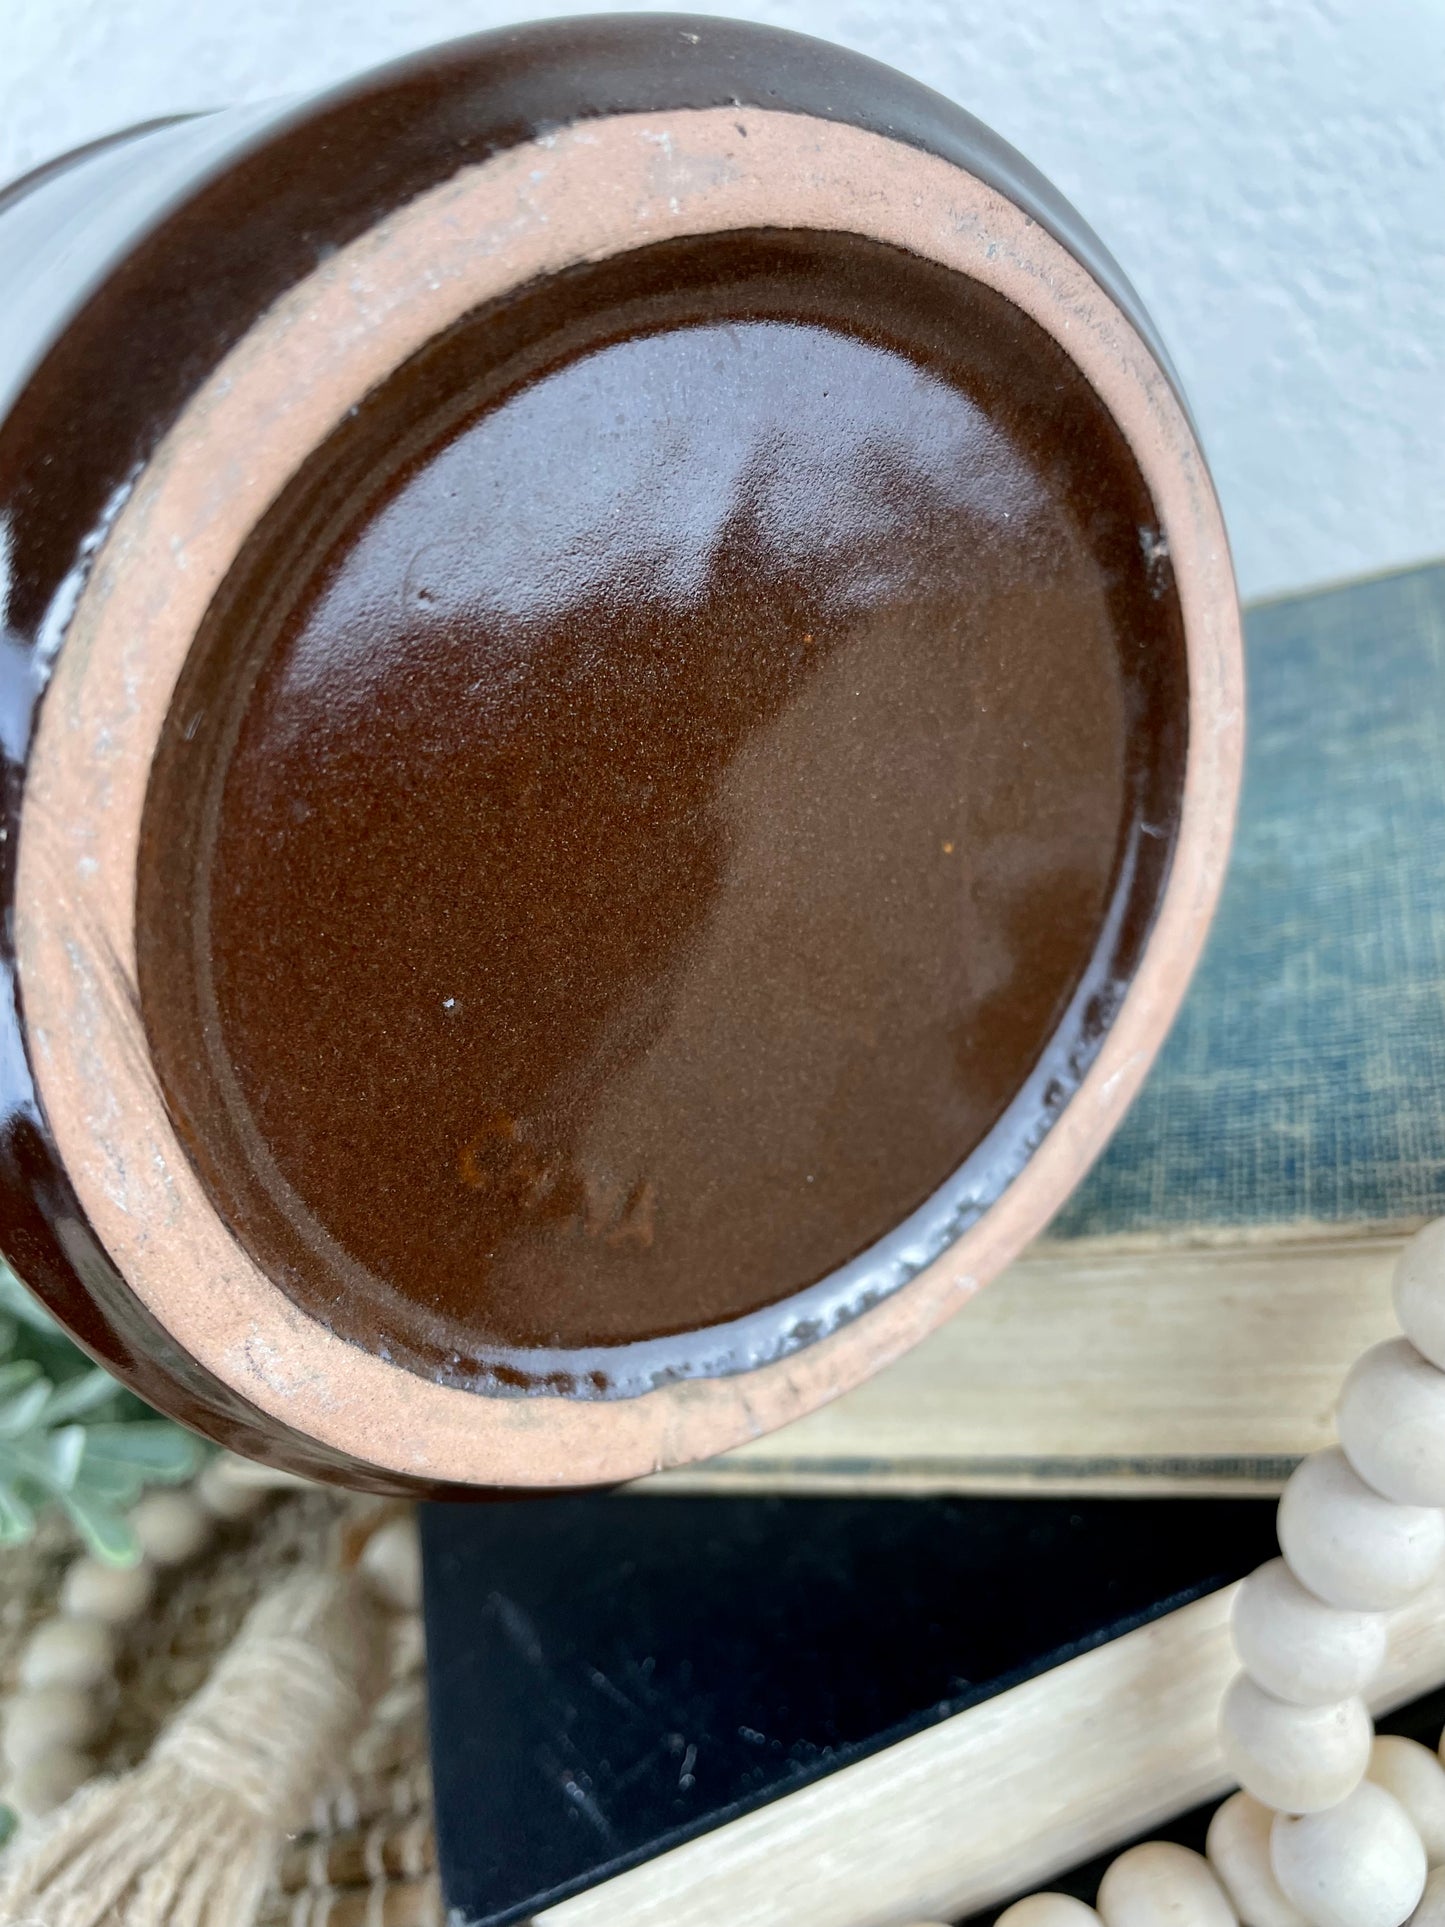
(16,1374)
(19,1413)
(70,1436)
(160,1452)
(64,1450)
(106,1530)
(86,1392)
(17,1518)
(109,1483)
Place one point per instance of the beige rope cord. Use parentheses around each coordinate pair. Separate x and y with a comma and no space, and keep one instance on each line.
(365,1855)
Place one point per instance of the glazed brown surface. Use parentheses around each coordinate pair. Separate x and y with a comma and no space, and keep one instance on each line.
(645,815)
(190,285)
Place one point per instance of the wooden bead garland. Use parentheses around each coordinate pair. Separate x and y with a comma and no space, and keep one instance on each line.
(1331,1829)
(172,1527)
(1237,1848)
(1419,1297)
(1299,1649)
(1360,1864)
(115,1595)
(1349,1546)
(1391,1422)
(1431,1911)
(1296,1758)
(66,1668)
(1416,1778)
(390,1564)
(1048,1910)
(50,1781)
(68,1652)
(1161,1882)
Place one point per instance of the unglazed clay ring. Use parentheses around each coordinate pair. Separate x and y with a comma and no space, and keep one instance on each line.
(624,725)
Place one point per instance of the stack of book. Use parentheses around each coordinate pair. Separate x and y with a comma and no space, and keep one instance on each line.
(846,1687)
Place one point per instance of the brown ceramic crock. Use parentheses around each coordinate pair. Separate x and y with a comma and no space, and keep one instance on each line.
(622,711)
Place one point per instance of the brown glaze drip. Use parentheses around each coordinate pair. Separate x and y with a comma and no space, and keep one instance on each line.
(662,813)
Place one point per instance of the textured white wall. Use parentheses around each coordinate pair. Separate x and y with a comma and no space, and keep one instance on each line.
(1271,173)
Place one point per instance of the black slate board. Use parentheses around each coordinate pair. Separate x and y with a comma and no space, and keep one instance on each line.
(612,1675)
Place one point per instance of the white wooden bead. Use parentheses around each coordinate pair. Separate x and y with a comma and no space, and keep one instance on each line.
(1048,1910)
(1296,1759)
(1416,1778)
(1238,1850)
(172,1527)
(1163,1885)
(49,1782)
(68,1652)
(224,1493)
(114,1594)
(1420,1291)
(1431,1910)
(44,1718)
(1349,1546)
(1359,1865)
(1391,1422)
(391,1563)
(1298,1648)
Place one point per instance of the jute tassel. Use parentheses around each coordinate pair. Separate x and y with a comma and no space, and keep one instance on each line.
(191,1838)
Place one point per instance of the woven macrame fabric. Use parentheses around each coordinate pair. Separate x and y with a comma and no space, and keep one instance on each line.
(368,1857)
